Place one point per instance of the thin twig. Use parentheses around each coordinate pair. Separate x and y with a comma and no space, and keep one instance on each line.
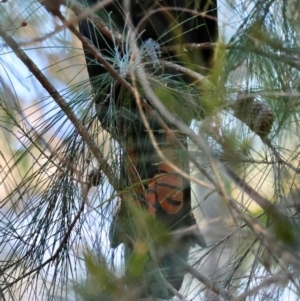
(98,56)
(203,279)
(196,46)
(278,157)
(277,278)
(187,71)
(82,131)
(63,242)
(170,8)
(82,13)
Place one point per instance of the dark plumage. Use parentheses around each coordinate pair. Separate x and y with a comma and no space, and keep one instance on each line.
(166,196)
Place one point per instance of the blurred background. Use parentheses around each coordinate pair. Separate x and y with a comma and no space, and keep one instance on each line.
(50,252)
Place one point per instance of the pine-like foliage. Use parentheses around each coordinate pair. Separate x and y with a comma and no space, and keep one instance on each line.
(61,178)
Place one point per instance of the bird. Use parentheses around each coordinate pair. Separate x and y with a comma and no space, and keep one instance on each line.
(159,194)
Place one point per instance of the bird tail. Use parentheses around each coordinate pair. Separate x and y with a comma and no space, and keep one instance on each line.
(163,196)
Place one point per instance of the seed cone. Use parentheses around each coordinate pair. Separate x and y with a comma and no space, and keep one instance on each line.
(257,115)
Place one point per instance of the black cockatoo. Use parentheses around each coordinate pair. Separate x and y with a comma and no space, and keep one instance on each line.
(163,194)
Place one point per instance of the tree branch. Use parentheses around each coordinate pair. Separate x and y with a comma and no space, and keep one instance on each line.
(82,131)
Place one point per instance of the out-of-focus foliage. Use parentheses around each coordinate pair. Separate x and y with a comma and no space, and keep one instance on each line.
(54,229)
